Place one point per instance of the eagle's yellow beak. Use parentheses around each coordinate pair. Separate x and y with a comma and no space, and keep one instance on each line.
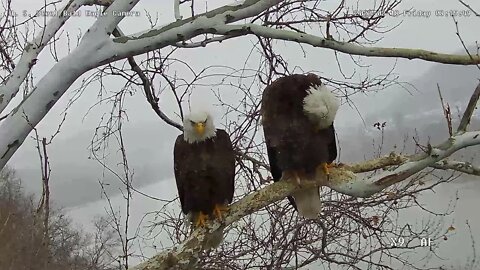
(200,128)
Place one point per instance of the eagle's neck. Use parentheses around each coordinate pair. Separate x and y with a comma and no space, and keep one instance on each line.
(192,137)
(320,105)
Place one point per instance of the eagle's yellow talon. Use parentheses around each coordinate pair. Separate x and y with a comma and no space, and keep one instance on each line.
(217,211)
(326,166)
(201,220)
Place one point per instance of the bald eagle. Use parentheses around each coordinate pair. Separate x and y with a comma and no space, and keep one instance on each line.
(297,116)
(204,165)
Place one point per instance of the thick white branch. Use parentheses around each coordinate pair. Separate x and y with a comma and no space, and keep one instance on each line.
(367,187)
(33,49)
(181,30)
(112,16)
(349,48)
(16,127)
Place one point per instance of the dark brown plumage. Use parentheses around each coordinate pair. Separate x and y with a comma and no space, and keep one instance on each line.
(295,143)
(204,172)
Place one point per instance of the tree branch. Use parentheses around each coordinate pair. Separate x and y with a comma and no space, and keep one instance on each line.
(469,7)
(467,115)
(395,160)
(147,88)
(111,17)
(348,48)
(410,166)
(464,167)
(183,256)
(181,30)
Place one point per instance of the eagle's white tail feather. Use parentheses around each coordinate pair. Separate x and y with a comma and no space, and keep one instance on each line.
(321,105)
(308,202)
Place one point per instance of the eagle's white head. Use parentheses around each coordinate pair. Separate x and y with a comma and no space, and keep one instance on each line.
(198,126)
(321,105)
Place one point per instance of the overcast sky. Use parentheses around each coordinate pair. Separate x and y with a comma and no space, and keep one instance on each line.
(432,33)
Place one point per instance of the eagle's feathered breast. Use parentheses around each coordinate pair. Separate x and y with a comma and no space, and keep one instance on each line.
(204,172)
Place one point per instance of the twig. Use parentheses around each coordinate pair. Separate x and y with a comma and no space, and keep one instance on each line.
(147,88)
(446,112)
(469,7)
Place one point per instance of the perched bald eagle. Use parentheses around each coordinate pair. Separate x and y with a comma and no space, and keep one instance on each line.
(204,165)
(297,117)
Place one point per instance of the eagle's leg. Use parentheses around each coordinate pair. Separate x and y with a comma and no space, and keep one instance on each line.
(326,167)
(289,174)
(201,220)
(217,211)
(297,179)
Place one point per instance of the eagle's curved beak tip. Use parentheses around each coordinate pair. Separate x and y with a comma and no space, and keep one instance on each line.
(200,128)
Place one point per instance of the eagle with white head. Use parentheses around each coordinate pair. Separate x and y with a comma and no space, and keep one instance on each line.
(297,115)
(204,165)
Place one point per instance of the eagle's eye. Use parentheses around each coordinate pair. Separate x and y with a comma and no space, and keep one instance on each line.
(191,122)
(204,122)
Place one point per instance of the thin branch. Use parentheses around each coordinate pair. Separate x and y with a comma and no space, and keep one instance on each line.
(204,43)
(147,88)
(446,111)
(467,115)
(469,7)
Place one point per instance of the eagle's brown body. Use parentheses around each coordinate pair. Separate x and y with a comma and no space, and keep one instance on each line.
(204,172)
(294,142)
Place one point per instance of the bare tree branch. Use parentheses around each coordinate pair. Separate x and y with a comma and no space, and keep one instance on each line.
(470,8)
(472,105)
(464,167)
(367,187)
(348,48)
